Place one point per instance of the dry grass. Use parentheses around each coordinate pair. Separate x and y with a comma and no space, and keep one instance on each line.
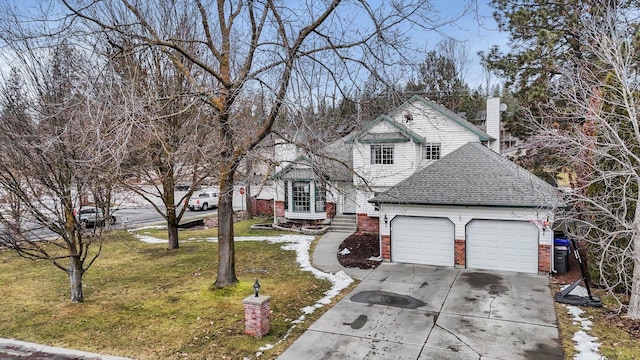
(145,302)
(616,342)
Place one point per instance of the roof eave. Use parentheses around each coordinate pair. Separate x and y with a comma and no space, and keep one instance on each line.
(474,204)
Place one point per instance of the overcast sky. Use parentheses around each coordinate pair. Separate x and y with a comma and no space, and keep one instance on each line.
(476,29)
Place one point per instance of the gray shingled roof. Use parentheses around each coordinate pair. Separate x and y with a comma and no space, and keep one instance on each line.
(357,136)
(472,175)
(329,163)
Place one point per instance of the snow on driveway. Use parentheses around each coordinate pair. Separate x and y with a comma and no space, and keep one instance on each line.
(298,243)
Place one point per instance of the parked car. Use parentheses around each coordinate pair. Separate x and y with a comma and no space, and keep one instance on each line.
(92,216)
(182,187)
(203,200)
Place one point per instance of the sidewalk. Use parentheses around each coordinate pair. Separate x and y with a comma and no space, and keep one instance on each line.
(325,256)
(16,349)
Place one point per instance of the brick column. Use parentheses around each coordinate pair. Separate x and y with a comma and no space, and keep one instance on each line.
(256,315)
(460,252)
(279,208)
(331,210)
(544,258)
(386,247)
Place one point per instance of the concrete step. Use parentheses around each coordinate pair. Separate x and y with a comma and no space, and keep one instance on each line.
(343,223)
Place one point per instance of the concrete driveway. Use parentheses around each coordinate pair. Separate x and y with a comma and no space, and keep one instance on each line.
(405,311)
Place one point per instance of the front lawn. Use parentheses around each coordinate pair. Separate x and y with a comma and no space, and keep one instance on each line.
(144,302)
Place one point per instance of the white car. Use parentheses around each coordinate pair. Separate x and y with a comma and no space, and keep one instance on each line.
(92,216)
(203,200)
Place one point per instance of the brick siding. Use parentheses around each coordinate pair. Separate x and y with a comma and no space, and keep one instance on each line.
(544,258)
(368,224)
(262,207)
(460,252)
(386,247)
(279,208)
(331,210)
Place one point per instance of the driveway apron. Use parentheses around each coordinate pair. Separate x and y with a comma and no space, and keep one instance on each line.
(403,311)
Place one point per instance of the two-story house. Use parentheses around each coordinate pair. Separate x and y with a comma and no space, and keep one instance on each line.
(434,188)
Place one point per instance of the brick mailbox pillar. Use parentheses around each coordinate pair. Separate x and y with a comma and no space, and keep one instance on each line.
(256,315)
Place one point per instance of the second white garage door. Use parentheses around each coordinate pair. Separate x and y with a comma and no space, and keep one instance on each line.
(422,240)
(502,245)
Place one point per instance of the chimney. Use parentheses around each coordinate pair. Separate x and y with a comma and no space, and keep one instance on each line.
(493,122)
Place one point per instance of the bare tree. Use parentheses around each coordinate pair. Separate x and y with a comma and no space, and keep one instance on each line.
(260,45)
(170,137)
(597,130)
(50,145)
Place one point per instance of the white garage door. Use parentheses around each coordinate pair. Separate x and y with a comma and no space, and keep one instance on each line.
(502,245)
(422,240)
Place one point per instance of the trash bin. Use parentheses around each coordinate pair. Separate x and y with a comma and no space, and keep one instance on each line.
(561,259)
(561,250)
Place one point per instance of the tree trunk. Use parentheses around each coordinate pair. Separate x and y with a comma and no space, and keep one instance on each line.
(172,225)
(168,188)
(75,278)
(247,196)
(634,300)
(172,232)
(226,250)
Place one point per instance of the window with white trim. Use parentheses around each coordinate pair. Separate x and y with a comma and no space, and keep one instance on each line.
(381,154)
(301,196)
(431,151)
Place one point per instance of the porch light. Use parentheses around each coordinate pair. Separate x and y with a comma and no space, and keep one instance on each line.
(546,225)
(386,220)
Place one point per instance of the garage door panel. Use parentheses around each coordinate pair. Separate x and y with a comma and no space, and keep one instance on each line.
(422,240)
(502,245)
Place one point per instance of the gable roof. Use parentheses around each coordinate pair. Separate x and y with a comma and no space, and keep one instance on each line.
(329,163)
(403,132)
(472,175)
(482,136)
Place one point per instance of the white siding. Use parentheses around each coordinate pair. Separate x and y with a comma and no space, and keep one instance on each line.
(404,161)
(428,123)
(436,128)
(284,153)
(362,200)
(461,215)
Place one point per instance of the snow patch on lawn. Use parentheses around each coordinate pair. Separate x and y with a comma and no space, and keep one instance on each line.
(298,243)
(586,346)
(344,251)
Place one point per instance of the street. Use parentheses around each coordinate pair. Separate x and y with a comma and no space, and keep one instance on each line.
(147,214)
(130,211)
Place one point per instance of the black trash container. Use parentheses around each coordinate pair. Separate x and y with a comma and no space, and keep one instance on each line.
(561,251)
